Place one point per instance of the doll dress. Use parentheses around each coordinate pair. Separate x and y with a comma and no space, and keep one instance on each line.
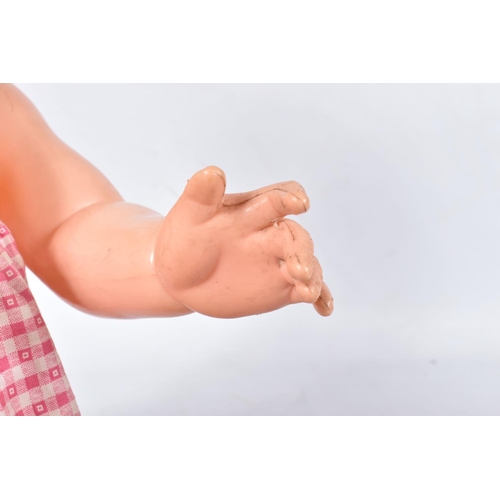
(32,378)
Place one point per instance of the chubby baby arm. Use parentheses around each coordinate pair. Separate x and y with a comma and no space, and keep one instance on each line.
(221,255)
(217,254)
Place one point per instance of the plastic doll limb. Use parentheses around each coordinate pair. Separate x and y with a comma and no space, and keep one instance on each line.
(72,227)
(223,256)
(95,250)
(236,255)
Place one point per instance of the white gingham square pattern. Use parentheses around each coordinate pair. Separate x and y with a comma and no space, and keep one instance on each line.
(32,378)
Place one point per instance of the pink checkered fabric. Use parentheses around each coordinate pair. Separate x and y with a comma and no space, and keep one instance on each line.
(32,378)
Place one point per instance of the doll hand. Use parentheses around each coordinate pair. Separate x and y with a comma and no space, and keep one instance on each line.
(235,255)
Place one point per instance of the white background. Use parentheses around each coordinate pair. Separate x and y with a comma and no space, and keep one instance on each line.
(404,183)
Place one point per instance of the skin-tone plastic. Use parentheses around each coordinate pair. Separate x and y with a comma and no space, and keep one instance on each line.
(222,255)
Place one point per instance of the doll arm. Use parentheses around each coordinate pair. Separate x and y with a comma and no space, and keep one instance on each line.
(72,227)
(224,255)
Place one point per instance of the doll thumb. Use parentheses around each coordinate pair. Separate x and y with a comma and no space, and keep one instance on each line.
(204,193)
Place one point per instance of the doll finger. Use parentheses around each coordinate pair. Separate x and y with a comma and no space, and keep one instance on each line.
(324,304)
(304,293)
(292,187)
(314,284)
(289,242)
(273,205)
(299,251)
(300,293)
(203,195)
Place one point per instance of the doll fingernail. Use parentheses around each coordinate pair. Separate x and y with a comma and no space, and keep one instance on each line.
(304,199)
(300,200)
(313,290)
